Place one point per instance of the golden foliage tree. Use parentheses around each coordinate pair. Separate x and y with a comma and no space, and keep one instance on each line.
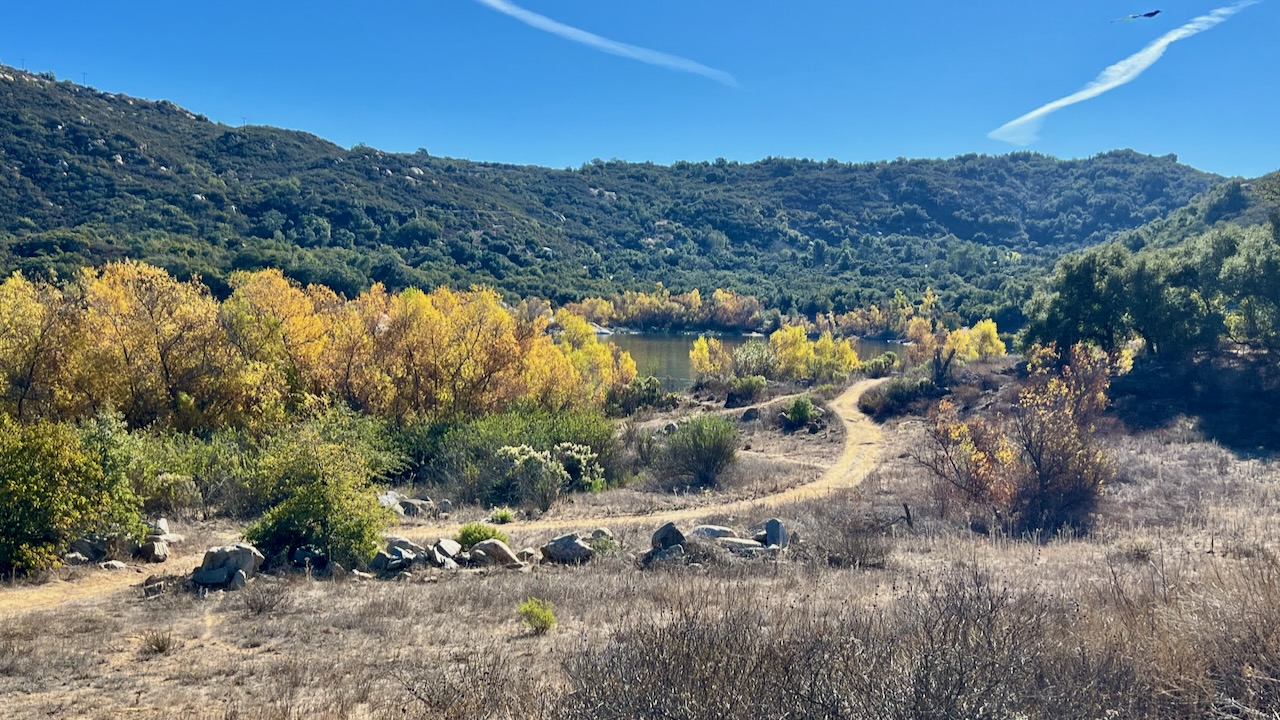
(1040,468)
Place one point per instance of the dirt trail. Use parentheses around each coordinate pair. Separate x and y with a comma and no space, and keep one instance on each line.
(95,583)
(862,444)
(863,440)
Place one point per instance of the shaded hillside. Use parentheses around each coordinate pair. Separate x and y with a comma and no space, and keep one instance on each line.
(87,177)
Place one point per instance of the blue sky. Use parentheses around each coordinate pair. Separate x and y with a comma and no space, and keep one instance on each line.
(841,79)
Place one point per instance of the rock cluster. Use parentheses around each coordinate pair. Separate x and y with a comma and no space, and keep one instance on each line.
(229,566)
(670,545)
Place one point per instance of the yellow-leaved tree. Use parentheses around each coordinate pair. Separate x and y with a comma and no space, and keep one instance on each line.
(791,346)
(710,359)
(832,359)
(155,350)
(37,332)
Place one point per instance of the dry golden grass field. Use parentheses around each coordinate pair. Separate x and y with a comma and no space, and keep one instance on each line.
(1169,607)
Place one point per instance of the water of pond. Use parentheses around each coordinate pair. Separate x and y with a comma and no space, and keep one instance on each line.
(666,356)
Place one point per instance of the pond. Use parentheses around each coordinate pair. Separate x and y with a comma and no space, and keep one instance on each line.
(666,356)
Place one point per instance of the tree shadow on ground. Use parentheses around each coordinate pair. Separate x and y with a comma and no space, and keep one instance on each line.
(1233,400)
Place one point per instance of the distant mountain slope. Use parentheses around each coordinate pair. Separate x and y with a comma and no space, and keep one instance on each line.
(86,177)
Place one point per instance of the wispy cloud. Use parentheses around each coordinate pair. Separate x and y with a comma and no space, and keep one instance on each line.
(603,44)
(1023,131)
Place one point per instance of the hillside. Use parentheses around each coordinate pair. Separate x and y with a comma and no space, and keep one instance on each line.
(87,177)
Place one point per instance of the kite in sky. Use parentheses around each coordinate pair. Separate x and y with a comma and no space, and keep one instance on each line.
(1137,16)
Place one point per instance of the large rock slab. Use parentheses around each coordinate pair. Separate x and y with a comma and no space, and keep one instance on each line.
(568,550)
(449,547)
(496,551)
(775,533)
(222,563)
(406,543)
(417,508)
(667,536)
(713,532)
(740,546)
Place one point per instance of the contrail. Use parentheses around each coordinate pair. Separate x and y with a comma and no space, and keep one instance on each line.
(613,47)
(1023,130)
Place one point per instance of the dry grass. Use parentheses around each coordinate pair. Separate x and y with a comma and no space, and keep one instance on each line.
(1169,609)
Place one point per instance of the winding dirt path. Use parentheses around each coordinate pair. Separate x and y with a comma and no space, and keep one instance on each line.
(95,583)
(863,441)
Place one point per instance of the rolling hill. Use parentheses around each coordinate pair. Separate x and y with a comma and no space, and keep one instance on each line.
(87,177)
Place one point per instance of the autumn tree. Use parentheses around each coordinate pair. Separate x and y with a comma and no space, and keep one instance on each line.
(37,334)
(792,349)
(273,321)
(155,349)
(832,359)
(1040,467)
(710,359)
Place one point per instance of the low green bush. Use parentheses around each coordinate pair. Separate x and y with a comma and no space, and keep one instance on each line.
(326,500)
(642,393)
(746,390)
(502,516)
(475,532)
(463,462)
(801,413)
(537,615)
(881,365)
(896,396)
(699,450)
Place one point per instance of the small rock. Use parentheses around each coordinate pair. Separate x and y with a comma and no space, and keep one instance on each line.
(776,533)
(238,581)
(434,557)
(152,587)
(670,428)
(113,565)
(404,576)
(568,550)
(713,532)
(361,575)
(75,558)
(391,501)
(445,506)
(94,548)
(750,415)
(161,527)
(497,551)
(529,555)
(156,551)
(448,547)
(601,533)
(667,536)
